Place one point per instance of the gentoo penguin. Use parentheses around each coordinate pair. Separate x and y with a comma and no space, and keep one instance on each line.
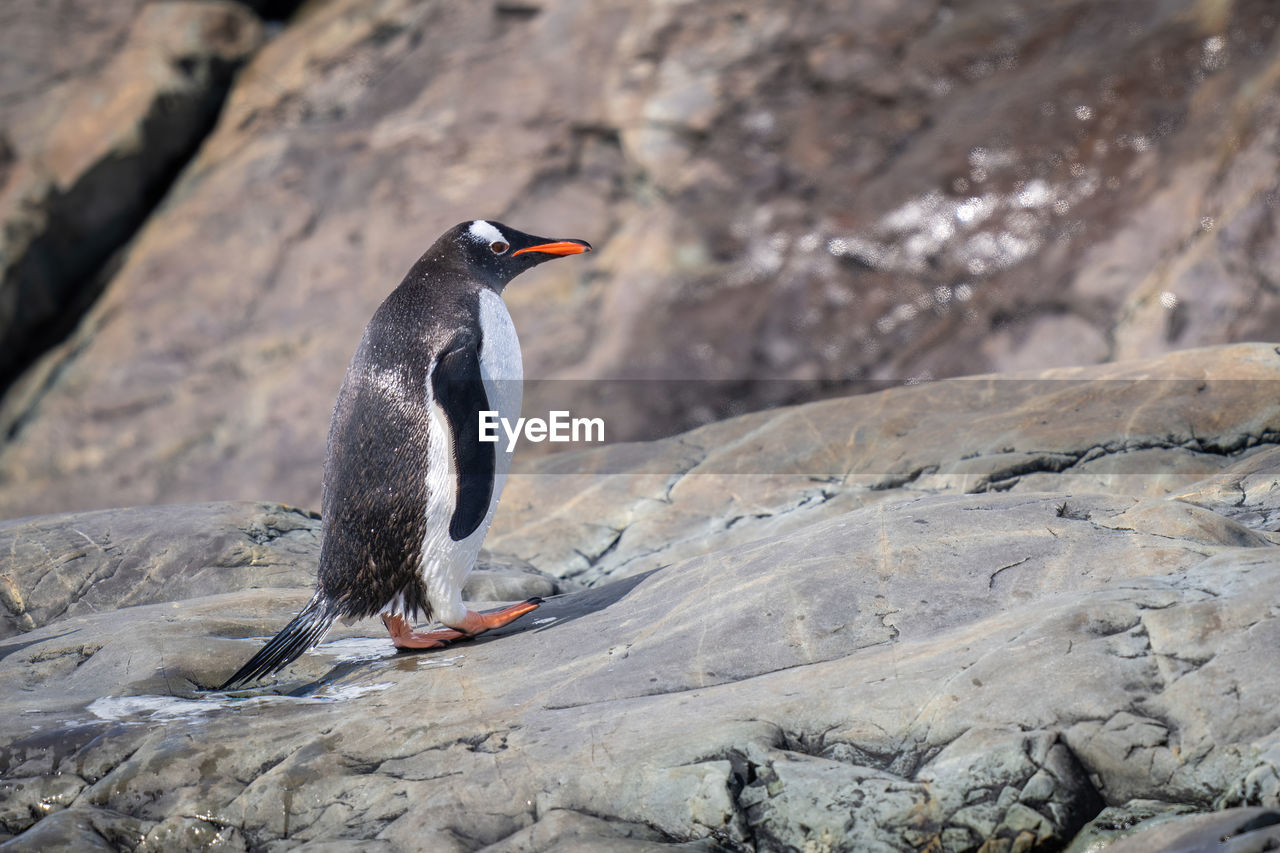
(409,488)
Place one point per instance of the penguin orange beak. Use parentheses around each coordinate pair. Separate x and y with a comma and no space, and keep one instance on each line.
(560,247)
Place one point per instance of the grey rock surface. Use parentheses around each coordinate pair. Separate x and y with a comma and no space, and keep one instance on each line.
(932,667)
(1142,428)
(64,565)
(812,196)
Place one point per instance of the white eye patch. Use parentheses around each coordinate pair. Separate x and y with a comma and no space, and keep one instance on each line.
(485,232)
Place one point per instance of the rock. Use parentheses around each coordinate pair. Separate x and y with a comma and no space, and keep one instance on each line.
(1115,822)
(65,565)
(26,801)
(930,666)
(811,197)
(1243,492)
(573,831)
(1143,428)
(69,564)
(44,46)
(1242,830)
(91,156)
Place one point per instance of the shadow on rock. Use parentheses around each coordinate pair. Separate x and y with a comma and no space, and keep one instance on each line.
(554,612)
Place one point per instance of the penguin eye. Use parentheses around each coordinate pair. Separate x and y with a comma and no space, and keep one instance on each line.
(498,247)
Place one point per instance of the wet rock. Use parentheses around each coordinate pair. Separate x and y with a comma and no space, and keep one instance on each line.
(819,197)
(86,829)
(23,802)
(1116,822)
(1242,830)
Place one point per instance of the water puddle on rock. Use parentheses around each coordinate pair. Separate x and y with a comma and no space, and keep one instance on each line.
(353,649)
(153,707)
(150,707)
(350,656)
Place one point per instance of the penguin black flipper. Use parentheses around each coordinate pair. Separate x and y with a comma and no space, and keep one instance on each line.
(458,386)
(302,633)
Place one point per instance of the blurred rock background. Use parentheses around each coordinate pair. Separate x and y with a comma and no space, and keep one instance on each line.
(203,201)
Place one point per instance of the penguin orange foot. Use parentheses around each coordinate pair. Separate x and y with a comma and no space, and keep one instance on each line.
(404,637)
(409,486)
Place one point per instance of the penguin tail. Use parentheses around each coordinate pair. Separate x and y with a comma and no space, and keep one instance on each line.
(304,632)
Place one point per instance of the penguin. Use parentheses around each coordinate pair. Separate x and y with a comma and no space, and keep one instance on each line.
(409,488)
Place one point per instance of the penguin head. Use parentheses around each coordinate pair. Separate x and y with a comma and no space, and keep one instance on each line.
(503,252)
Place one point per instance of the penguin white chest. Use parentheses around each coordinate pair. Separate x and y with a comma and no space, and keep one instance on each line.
(501,365)
(446,562)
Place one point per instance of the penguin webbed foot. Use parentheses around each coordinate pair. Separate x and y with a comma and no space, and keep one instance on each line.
(404,637)
(475,622)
